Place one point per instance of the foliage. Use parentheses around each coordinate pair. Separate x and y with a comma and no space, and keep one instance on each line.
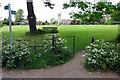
(109,22)
(1,24)
(50,30)
(116,13)
(59,56)
(90,12)
(6,22)
(45,23)
(100,58)
(20,56)
(0,4)
(53,21)
(75,22)
(16,55)
(41,31)
(19,16)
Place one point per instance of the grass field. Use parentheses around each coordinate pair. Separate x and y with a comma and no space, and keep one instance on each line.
(83,33)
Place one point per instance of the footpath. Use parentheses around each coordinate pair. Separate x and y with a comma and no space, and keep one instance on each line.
(72,69)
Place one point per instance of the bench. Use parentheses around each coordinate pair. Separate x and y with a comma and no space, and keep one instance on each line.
(49,28)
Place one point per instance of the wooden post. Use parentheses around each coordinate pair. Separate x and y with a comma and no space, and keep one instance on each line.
(92,41)
(53,43)
(35,46)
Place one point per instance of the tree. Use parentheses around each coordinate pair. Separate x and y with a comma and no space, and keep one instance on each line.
(0,4)
(90,12)
(6,21)
(53,21)
(19,16)
(1,24)
(31,16)
(74,21)
(116,13)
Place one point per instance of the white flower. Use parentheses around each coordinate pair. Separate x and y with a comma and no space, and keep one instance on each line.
(94,50)
(84,55)
(65,47)
(97,40)
(102,52)
(89,58)
(93,60)
(88,47)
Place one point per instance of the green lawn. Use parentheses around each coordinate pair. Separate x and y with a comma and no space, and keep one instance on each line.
(83,33)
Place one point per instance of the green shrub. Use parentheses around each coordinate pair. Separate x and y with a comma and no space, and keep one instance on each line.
(1,25)
(20,56)
(101,58)
(39,31)
(61,54)
(109,22)
(16,55)
(50,31)
(44,23)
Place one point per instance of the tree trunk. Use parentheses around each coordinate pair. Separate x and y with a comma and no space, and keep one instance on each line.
(31,16)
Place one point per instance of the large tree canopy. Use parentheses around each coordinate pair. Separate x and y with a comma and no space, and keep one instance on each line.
(19,16)
(89,12)
(115,15)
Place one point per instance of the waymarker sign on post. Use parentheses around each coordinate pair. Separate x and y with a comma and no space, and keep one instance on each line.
(13,12)
(8,7)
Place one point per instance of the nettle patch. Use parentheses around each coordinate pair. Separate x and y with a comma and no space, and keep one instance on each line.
(20,56)
(102,56)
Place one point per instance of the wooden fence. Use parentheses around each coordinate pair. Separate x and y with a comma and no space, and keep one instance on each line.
(53,42)
(115,41)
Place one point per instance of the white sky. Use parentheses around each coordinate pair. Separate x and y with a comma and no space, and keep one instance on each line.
(42,13)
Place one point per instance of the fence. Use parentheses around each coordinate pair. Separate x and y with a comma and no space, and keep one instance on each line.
(69,42)
(51,42)
(114,41)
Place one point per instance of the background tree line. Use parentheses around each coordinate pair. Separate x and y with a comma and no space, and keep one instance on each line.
(18,18)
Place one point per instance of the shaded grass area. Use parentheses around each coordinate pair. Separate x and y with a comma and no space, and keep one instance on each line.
(83,33)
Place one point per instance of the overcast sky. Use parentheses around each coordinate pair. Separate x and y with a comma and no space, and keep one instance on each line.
(42,13)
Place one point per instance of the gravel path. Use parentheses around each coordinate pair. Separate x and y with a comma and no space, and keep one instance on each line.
(71,69)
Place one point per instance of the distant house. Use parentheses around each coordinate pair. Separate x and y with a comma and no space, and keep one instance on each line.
(39,22)
(66,21)
(107,17)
